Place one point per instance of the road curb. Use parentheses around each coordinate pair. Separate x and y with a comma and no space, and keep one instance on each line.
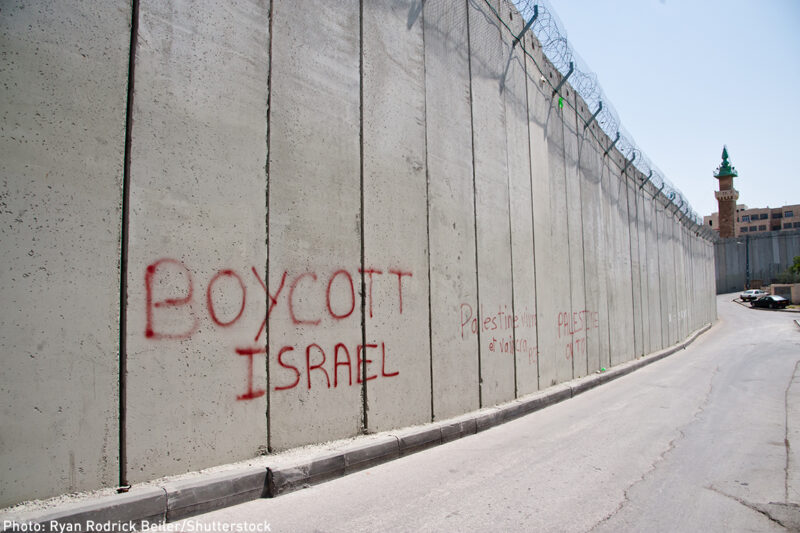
(177,500)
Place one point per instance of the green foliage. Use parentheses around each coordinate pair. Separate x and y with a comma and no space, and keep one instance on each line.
(791,274)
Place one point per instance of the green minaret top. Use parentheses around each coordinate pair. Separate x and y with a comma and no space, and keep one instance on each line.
(725,170)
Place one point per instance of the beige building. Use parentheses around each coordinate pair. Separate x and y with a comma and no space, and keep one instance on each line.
(759,220)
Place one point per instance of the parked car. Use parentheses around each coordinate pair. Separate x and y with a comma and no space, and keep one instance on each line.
(752,294)
(771,301)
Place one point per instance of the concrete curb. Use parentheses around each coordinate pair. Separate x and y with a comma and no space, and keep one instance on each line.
(182,499)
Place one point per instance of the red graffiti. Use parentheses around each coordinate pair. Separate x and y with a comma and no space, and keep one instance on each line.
(149,330)
(321,359)
(273,300)
(295,320)
(514,345)
(352,295)
(501,320)
(251,394)
(304,298)
(319,366)
(174,316)
(400,274)
(210,300)
(369,272)
(337,364)
(572,323)
(575,348)
(284,350)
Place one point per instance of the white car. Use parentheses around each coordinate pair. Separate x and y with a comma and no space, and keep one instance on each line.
(752,294)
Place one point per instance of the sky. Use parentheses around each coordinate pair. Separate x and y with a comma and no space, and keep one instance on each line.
(689,76)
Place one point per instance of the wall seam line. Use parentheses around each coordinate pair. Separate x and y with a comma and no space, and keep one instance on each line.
(581,139)
(510,226)
(630,253)
(474,205)
(566,204)
(364,402)
(533,216)
(605,165)
(427,207)
(268,408)
(124,238)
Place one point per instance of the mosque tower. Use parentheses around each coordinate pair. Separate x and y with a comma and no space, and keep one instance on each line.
(726,196)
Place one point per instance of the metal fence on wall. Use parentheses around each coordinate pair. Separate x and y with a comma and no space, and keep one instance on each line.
(541,19)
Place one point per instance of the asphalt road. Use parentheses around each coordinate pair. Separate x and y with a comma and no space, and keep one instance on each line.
(707,439)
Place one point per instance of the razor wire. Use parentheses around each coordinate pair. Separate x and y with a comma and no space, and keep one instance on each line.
(549,31)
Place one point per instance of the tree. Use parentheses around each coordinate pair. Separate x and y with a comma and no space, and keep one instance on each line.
(791,274)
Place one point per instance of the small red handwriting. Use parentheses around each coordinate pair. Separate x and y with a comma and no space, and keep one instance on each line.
(572,323)
(500,321)
(576,326)
(575,348)
(171,316)
(520,345)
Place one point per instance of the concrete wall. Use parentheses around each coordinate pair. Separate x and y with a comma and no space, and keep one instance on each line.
(62,145)
(196,248)
(280,229)
(770,254)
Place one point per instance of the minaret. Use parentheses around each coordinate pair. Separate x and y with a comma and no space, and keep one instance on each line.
(726,196)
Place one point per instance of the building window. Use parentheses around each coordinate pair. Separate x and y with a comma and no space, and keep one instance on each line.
(744,230)
(788,225)
(710,222)
(762,227)
(796,224)
(764,216)
(777,215)
(745,218)
(753,228)
(788,214)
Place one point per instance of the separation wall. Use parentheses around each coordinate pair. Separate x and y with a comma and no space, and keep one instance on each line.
(270,229)
(769,255)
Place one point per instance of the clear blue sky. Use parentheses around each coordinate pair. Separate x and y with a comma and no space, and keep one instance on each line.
(687,77)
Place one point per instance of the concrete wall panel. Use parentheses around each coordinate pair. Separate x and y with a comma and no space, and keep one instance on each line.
(491,207)
(621,331)
(636,277)
(652,266)
(538,115)
(644,292)
(395,216)
(454,293)
(315,227)
(62,107)
(550,229)
(521,212)
(671,261)
(680,276)
(575,319)
(197,238)
(593,236)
